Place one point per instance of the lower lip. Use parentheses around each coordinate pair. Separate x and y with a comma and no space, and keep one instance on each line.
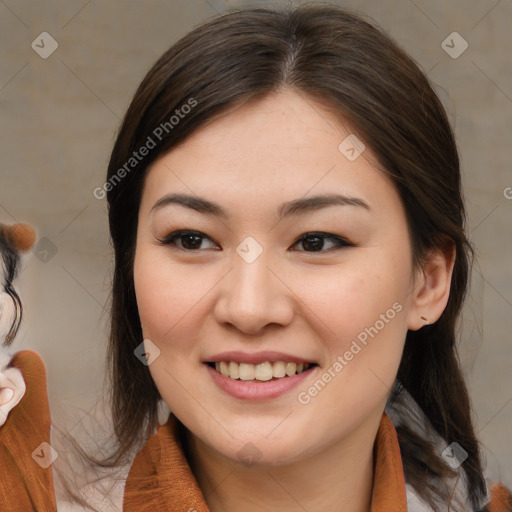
(265,390)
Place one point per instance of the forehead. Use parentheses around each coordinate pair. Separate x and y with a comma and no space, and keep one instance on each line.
(283,146)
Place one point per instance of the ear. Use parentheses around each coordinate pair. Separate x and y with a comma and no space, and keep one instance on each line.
(432,287)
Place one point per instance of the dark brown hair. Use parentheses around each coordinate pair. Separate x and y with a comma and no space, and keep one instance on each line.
(9,268)
(347,63)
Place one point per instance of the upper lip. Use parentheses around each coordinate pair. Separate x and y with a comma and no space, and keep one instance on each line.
(256,357)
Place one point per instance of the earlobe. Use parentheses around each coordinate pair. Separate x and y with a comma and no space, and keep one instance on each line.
(432,289)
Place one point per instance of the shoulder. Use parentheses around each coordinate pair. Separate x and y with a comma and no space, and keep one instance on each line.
(497,497)
(500,499)
(24,370)
(25,465)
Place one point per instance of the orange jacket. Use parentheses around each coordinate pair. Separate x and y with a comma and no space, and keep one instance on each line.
(160,477)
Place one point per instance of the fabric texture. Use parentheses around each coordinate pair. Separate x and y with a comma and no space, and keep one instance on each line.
(26,480)
(160,477)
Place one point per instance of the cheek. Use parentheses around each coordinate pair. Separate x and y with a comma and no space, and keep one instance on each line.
(362,310)
(365,316)
(169,302)
(165,291)
(352,297)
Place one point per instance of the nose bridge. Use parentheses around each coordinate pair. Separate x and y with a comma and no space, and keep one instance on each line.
(251,281)
(252,296)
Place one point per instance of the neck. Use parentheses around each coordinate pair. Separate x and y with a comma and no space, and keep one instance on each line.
(339,478)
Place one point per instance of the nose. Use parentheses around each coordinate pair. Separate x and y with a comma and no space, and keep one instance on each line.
(253,295)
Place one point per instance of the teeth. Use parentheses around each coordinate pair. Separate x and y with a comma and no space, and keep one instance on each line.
(224,369)
(245,371)
(291,368)
(279,369)
(262,372)
(233,370)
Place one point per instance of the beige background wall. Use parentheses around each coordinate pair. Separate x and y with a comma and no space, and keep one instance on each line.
(57,123)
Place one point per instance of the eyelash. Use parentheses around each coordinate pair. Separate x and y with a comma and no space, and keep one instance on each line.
(171,238)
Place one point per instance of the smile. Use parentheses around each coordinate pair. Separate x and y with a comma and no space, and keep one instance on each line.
(258,382)
(259,372)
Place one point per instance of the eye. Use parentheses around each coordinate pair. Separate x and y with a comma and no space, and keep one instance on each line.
(189,240)
(315,241)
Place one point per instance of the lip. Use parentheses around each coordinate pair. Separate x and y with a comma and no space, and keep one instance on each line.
(256,358)
(257,391)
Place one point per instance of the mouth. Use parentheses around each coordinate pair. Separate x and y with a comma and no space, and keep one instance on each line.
(262,372)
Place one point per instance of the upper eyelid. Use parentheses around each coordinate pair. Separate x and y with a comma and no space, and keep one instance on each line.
(322,234)
(174,235)
(338,240)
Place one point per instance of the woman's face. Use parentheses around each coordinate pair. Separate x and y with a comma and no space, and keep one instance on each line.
(328,283)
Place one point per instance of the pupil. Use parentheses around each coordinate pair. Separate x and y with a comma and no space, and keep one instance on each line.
(187,238)
(313,243)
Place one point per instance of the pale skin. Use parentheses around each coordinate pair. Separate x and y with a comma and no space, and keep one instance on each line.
(197,300)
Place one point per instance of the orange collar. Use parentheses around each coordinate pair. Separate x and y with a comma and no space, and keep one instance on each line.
(160,476)
(388,479)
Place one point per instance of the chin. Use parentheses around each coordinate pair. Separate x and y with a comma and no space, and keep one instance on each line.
(259,451)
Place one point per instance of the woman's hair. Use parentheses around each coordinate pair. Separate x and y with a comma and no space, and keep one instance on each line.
(9,268)
(346,63)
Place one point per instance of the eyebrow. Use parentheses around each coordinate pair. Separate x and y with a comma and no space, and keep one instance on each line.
(295,207)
